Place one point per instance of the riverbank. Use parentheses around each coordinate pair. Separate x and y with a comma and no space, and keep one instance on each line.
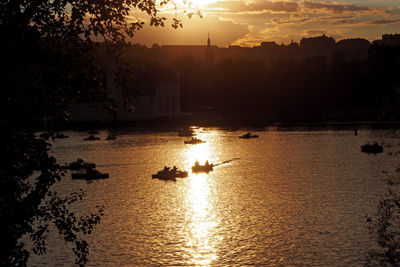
(228,122)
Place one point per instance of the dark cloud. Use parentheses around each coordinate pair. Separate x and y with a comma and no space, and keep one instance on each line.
(345,22)
(290,21)
(301,19)
(334,7)
(384,21)
(288,6)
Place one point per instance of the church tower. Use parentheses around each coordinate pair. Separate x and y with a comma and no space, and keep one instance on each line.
(209,55)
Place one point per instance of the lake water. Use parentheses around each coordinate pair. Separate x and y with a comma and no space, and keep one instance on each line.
(286,198)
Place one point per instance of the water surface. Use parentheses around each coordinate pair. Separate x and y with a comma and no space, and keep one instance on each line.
(286,198)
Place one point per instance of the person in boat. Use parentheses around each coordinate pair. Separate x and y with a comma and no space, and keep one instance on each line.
(165,170)
(196,163)
(174,169)
(89,168)
(207,164)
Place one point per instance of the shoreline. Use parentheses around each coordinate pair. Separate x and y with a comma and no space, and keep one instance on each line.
(233,124)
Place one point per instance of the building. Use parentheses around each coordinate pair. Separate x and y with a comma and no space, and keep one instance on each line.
(151,91)
(155,94)
(353,49)
(389,39)
(202,53)
(209,54)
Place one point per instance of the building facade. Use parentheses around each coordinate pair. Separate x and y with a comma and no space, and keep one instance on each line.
(152,92)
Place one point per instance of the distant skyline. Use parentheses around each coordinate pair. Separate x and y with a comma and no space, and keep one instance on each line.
(248,23)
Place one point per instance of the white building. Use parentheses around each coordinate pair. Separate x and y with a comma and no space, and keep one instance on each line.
(154,93)
(151,100)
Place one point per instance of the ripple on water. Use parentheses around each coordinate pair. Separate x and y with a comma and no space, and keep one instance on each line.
(290,198)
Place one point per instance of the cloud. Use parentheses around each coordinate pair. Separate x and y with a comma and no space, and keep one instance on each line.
(249,22)
(313,32)
(278,6)
(319,32)
(393,11)
(255,6)
(313,6)
(322,19)
(290,21)
(384,21)
(194,32)
(249,40)
(290,7)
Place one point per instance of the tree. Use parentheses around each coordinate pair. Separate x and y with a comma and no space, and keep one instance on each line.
(46,64)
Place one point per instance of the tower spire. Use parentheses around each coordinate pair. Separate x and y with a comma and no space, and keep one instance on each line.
(209,55)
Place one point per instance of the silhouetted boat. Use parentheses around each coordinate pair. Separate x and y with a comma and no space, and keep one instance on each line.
(248,136)
(60,136)
(90,174)
(375,148)
(91,138)
(202,168)
(194,141)
(185,132)
(80,164)
(170,174)
(111,137)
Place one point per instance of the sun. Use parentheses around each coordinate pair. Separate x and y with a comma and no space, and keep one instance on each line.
(201,3)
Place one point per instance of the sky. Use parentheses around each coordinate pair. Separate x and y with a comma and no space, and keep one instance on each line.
(250,22)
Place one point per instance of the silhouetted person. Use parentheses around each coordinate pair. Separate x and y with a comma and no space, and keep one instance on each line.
(207,164)
(355,131)
(196,163)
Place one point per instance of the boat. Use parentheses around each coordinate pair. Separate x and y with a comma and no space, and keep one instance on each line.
(181,174)
(185,132)
(170,174)
(60,136)
(194,141)
(80,164)
(248,136)
(91,137)
(111,137)
(374,148)
(90,174)
(202,168)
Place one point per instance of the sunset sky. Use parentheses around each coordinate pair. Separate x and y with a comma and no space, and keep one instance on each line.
(250,22)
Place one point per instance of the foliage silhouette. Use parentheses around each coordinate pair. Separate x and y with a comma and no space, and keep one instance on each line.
(48,63)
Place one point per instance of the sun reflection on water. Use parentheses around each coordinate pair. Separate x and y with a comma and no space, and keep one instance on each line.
(202,221)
